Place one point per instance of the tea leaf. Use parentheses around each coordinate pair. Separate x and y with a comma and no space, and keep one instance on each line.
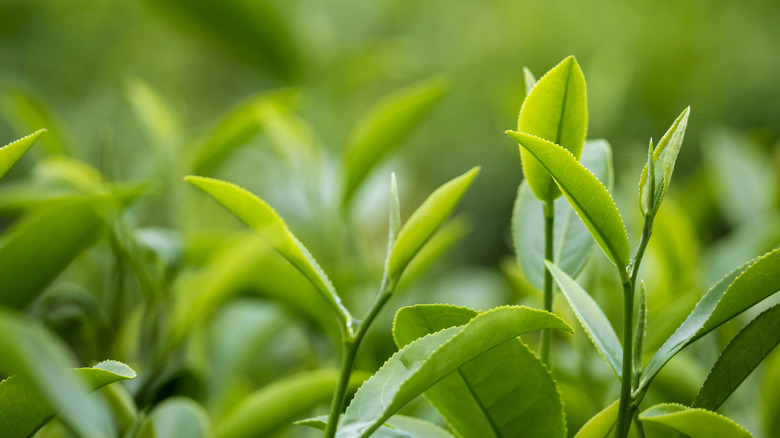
(394,221)
(425,221)
(159,120)
(178,417)
(639,333)
(665,155)
(573,244)
(586,194)
(696,423)
(397,426)
(528,403)
(601,425)
(419,365)
(277,404)
(592,318)
(555,110)
(264,221)
(740,357)
(529,79)
(28,113)
(13,152)
(385,127)
(736,292)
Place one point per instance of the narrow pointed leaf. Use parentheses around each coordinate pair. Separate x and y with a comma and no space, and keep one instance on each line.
(573,244)
(397,426)
(664,157)
(394,221)
(592,318)
(263,220)
(742,355)
(530,80)
(12,152)
(487,397)
(425,221)
(555,110)
(586,194)
(28,113)
(696,423)
(602,424)
(419,365)
(159,120)
(385,127)
(639,333)
(735,293)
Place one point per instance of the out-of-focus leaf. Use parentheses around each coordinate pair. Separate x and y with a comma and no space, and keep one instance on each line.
(160,121)
(555,110)
(416,367)
(41,366)
(529,79)
(385,127)
(12,152)
(264,221)
(572,241)
(664,155)
(33,253)
(425,221)
(736,292)
(586,194)
(28,113)
(592,318)
(397,426)
(601,425)
(743,354)
(639,334)
(276,405)
(178,417)
(469,399)
(696,423)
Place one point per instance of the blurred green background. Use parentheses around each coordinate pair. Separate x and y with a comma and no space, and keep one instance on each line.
(136,88)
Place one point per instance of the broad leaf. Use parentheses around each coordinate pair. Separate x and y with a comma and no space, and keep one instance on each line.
(555,110)
(385,127)
(602,424)
(664,155)
(12,152)
(592,318)
(425,221)
(419,365)
(397,426)
(736,292)
(177,417)
(264,221)
(277,404)
(740,357)
(573,244)
(34,252)
(487,397)
(586,194)
(696,423)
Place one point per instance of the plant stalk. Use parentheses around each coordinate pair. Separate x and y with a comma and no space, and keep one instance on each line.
(549,230)
(624,417)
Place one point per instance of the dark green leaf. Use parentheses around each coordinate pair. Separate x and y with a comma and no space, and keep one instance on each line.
(696,423)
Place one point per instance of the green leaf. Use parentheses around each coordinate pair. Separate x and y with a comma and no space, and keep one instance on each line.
(602,424)
(573,244)
(178,417)
(277,404)
(529,79)
(586,194)
(263,220)
(394,221)
(740,357)
(639,333)
(159,120)
(664,156)
(419,365)
(555,110)
(13,152)
(736,292)
(397,426)
(25,410)
(33,253)
(696,423)
(385,127)
(592,318)
(425,221)
(487,396)
(28,113)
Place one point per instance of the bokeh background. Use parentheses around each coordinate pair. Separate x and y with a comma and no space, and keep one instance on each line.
(135,89)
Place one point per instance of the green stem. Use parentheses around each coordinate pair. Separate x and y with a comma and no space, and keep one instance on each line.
(624,417)
(549,229)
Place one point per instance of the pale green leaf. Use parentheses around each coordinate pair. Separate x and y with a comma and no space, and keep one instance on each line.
(586,194)
(425,221)
(601,424)
(696,423)
(571,239)
(263,220)
(592,318)
(160,121)
(397,426)
(664,156)
(28,113)
(12,152)
(736,292)
(277,404)
(487,397)
(555,110)
(178,417)
(385,127)
(419,365)
(639,333)
(529,79)
(742,355)
(394,221)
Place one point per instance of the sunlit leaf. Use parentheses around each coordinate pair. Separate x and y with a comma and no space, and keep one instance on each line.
(28,113)
(397,426)
(160,121)
(529,79)
(12,152)
(696,423)
(601,425)
(665,155)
